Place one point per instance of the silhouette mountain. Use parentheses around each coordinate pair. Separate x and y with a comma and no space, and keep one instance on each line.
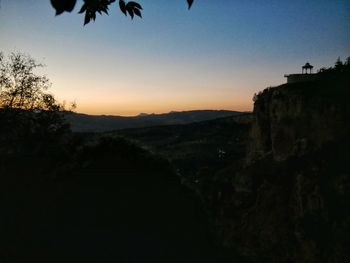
(91,123)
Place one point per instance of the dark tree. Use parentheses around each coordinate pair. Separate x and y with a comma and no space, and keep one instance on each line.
(21,87)
(28,113)
(338,63)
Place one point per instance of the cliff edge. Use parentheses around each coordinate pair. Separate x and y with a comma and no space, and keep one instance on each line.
(290,202)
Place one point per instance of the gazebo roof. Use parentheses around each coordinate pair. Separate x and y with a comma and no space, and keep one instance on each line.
(308,65)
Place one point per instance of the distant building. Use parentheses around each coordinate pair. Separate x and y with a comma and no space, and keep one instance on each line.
(306,75)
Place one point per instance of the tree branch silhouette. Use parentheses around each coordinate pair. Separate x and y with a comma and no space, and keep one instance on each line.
(91,7)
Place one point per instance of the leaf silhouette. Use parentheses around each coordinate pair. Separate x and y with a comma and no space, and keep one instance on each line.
(135,5)
(104,10)
(63,5)
(87,18)
(130,10)
(70,4)
(133,9)
(122,6)
(91,7)
(83,9)
(137,12)
(190,2)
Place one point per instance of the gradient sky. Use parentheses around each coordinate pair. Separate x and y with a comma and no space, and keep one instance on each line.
(215,56)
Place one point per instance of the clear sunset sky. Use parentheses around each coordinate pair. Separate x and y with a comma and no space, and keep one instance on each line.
(215,56)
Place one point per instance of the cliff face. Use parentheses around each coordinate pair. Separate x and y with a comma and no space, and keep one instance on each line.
(294,119)
(291,201)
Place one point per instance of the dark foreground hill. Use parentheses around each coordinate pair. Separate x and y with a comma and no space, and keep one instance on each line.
(91,123)
(108,201)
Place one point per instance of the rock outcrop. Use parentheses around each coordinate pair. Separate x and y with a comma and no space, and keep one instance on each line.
(293,119)
(290,202)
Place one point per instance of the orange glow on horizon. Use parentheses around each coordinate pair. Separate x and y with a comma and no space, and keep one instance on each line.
(131,101)
(134,110)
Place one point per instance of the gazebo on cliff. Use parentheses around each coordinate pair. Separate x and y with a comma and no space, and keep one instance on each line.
(306,75)
(307,67)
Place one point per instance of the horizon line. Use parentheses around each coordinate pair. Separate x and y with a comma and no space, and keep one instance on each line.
(160,113)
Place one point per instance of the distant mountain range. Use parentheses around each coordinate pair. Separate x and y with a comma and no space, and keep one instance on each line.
(102,123)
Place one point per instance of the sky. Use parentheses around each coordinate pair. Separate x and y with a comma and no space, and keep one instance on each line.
(215,56)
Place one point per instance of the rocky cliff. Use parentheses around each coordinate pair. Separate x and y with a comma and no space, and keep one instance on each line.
(290,202)
(293,119)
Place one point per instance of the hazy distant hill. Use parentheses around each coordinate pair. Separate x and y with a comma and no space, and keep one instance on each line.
(91,123)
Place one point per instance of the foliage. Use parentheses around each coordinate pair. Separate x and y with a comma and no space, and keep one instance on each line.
(91,7)
(29,115)
(338,63)
(20,87)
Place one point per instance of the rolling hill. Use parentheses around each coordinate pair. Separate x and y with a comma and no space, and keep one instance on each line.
(93,123)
